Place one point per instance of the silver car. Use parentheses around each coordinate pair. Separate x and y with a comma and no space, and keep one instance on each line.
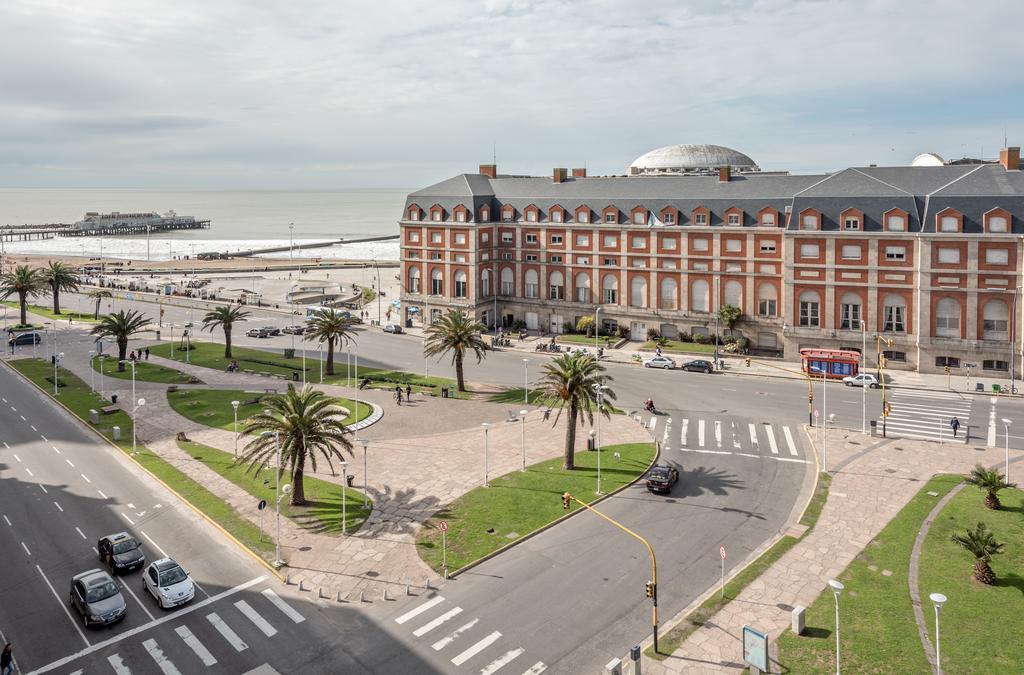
(97,598)
(168,583)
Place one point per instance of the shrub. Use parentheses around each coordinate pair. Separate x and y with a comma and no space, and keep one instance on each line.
(569,328)
(518,324)
(622,331)
(585,325)
(653,334)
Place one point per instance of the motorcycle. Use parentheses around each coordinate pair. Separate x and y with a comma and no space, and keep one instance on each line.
(649,406)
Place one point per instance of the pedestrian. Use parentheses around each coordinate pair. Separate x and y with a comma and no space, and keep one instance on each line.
(131,357)
(147,353)
(408,393)
(954,424)
(7,660)
(10,343)
(398,396)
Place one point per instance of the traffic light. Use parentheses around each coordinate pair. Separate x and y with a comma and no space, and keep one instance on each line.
(947,370)
(810,397)
(747,362)
(649,589)
(888,343)
(887,409)
(565,500)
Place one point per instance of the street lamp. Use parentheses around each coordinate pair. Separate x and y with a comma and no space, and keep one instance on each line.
(56,360)
(938,599)
(366,444)
(597,331)
(277,493)
(1006,467)
(291,230)
(135,409)
(102,358)
(344,486)
(234,407)
(824,418)
(92,372)
(600,389)
(526,381)
(486,427)
(837,588)
(863,389)
(321,345)
(522,416)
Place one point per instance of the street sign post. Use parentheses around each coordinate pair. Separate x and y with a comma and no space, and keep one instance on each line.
(443,526)
(261,506)
(721,553)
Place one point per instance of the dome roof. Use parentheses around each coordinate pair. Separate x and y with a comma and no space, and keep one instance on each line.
(928,159)
(687,158)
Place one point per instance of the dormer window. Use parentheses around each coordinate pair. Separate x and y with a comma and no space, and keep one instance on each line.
(997,224)
(460,216)
(700,219)
(611,216)
(414,213)
(669,218)
(734,219)
(997,221)
(949,220)
(485,214)
(851,223)
(556,216)
(531,216)
(639,216)
(810,220)
(507,214)
(435,214)
(583,215)
(896,222)
(768,219)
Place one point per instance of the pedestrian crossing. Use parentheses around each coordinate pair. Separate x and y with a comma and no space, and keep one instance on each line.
(471,643)
(926,415)
(729,436)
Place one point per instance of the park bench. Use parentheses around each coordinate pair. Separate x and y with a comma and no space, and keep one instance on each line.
(109,409)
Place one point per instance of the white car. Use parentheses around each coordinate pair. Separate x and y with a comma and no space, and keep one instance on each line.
(862,380)
(660,362)
(168,582)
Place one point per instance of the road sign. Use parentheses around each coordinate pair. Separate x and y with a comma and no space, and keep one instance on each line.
(816,414)
(721,552)
(443,526)
(262,505)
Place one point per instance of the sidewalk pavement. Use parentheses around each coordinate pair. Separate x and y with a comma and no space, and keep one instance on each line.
(872,480)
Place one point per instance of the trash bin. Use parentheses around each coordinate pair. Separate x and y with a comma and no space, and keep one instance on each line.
(113,398)
(349,478)
(116,433)
(444,392)
(591,443)
(874,427)
(451,391)
(295,376)
(158,335)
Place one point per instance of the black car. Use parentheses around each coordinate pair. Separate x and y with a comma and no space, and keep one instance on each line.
(698,366)
(121,552)
(271,330)
(293,330)
(661,478)
(27,339)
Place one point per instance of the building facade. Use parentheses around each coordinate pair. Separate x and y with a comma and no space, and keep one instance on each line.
(928,257)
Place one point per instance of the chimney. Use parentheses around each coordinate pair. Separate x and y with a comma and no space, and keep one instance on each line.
(1010,158)
(723,174)
(579,173)
(559,175)
(489,170)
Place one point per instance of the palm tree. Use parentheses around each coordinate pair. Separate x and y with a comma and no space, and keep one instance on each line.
(991,481)
(98,295)
(571,382)
(457,333)
(981,543)
(307,423)
(225,317)
(25,282)
(59,277)
(121,326)
(329,325)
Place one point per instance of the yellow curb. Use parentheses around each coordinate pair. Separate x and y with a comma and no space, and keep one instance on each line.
(174,492)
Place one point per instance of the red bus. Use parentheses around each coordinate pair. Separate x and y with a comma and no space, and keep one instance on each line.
(836,363)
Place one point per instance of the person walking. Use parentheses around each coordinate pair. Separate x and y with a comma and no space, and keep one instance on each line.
(7,660)
(408,393)
(147,353)
(954,424)
(10,343)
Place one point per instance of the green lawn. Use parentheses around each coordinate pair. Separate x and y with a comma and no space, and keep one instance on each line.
(144,371)
(323,513)
(212,407)
(879,632)
(211,355)
(582,340)
(42,310)
(683,347)
(520,502)
(75,394)
(513,397)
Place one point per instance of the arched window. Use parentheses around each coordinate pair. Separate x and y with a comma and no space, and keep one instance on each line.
(638,292)
(669,290)
(414,279)
(460,284)
(849,312)
(810,309)
(582,287)
(699,296)
(996,323)
(556,283)
(947,318)
(508,282)
(530,283)
(894,314)
(767,300)
(437,282)
(734,294)
(485,283)
(610,289)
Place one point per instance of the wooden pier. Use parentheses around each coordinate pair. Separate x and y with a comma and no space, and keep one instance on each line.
(128,230)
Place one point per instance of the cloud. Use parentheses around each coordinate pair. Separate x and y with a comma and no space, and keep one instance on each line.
(345,94)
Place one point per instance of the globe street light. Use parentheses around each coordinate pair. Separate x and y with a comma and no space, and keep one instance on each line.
(234,407)
(1006,466)
(938,599)
(138,404)
(102,358)
(366,491)
(526,381)
(837,588)
(522,416)
(487,428)
(344,486)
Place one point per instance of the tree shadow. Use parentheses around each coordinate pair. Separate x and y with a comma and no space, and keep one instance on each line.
(1011,580)
(700,480)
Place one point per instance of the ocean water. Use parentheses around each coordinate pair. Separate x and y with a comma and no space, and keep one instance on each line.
(239,220)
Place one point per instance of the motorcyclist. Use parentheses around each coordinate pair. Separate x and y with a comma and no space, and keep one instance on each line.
(649,405)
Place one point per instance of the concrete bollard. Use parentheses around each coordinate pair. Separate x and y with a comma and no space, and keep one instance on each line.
(320,593)
(614,667)
(408,589)
(116,433)
(429,587)
(341,599)
(798,619)
(384,595)
(288,580)
(362,597)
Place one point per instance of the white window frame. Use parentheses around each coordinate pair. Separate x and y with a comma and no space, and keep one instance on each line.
(436,238)
(700,219)
(997,256)
(896,218)
(733,246)
(805,251)
(1003,227)
(701,244)
(851,223)
(610,241)
(733,219)
(531,238)
(847,249)
(582,240)
(556,239)
(949,224)
(949,256)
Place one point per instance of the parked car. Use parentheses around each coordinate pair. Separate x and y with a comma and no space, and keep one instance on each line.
(352,318)
(661,478)
(698,366)
(168,582)
(660,362)
(862,380)
(97,598)
(392,328)
(257,332)
(120,552)
(271,330)
(293,330)
(27,339)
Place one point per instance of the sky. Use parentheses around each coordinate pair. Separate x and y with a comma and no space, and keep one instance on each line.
(331,94)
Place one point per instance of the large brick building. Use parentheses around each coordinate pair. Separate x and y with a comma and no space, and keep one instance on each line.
(929,256)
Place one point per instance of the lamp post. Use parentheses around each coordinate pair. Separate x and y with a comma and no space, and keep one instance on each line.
(824,419)
(486,427)
(597,327)
(526,381)
(716,307)
(522,416)
(135,415)
(102,357)
(92,372)
(234,407)
(56,361)
(864,388)
(837,588)
(132,364)
(938,599)
(344,486)
(348,367)
(277,493)
(321,345)
(1006,433)
(366,443)
(304,362)
(599,388)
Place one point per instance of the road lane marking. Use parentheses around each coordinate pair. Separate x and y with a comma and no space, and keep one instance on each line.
(23,418)
(476,649)
(501,661)
(118,665)
(34,428)
(80,533)
(735,436)
(791,459)
(445,641)
(7,446)
(536,669)
(138,629)
(748,454)
(226,632)
(161,660)
(771,439)
(714,452)
(427,627)
(7,520)
(45,439)
(55,449)
(254,616)
(85,477)
(102,495)
(70,463)
(412,614)
(63,606)
(130,521)
(753,436)
(156,545)
(26,548)
(132,593)
(43,487)
(685,428)
(700,433)
(283,606)
(789,441)
(198,647)
(30,472)
(718,433)
(14,409)
(58,507)
(15,454)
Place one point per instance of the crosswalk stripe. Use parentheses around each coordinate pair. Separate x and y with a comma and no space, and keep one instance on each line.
(476,649)
(118,665)
(735,436)
(684,428)
(198,647)
(427,627)
(502,661)
(718,433)
(700,433)
(415,612)
(254,616)
(448,639)
(165,664)
(925,407)
(753,435)
(536,669)
(288,610)
(771,439)
(789,441)
(226,632)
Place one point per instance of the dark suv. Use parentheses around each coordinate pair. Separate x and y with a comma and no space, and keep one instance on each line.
(121,552)
(27,339)
(662,478)
(699,366)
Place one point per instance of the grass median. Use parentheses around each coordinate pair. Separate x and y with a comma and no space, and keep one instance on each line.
(485,519)
(514,397)
(321,515)
(677,347)
(47,312)
(212,407)
(144,372)
(76,396)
